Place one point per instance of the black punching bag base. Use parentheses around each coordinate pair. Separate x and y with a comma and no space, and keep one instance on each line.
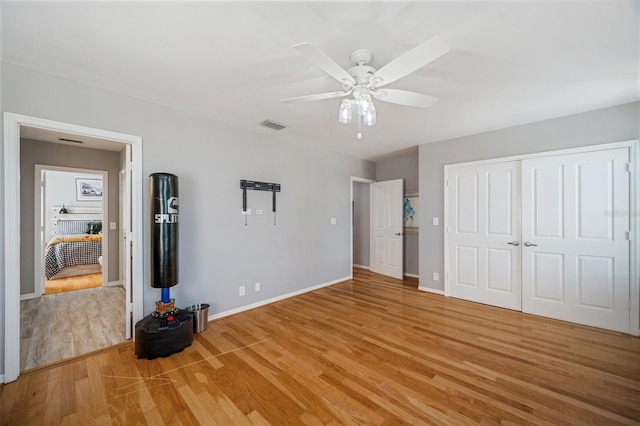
(163,335)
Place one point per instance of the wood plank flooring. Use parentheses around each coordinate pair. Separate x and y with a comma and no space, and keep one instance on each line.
(63,325)
(372,350)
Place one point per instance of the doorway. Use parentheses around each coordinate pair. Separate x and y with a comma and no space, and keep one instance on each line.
(57,205)
(15,125)
(377,226)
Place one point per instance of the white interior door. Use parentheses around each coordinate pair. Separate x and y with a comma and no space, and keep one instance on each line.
(387,228)
(484,234)
(575,232)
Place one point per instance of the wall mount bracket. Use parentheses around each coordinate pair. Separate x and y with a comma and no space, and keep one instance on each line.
(258,186)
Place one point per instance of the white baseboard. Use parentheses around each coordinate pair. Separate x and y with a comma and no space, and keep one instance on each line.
(362,266)
(406,274)
(28,296)
(274,299)
(1,378)
(114,283)
(431,290)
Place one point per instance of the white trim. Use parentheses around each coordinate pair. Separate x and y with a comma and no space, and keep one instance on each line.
(445,230)
(361,180)
(362,267)
(28,296)
(634,236)
(431,290)
(114,283)
(275,299)
(406,274)
(12,124)
(634,206)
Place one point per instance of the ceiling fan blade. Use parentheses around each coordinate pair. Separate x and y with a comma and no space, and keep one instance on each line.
(316,97)
(325,63)
(409,62)
(404,97)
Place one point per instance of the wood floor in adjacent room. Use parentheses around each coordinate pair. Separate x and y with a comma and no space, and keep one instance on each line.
(371,350)
(58,326)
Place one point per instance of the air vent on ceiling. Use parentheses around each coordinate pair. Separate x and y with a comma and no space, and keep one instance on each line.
(69,140)
(273,125)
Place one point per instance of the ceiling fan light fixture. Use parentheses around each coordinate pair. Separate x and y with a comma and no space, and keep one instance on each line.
(365,104)
(362,82)
(370,117)
(344,114)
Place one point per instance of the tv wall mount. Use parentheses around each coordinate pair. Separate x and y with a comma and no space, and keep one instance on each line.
(258,186)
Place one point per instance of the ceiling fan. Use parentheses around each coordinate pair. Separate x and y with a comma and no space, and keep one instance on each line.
(364,82)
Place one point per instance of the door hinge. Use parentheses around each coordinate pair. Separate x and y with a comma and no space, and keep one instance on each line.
(628,305)
(129,307)
(628,167)
(628,235)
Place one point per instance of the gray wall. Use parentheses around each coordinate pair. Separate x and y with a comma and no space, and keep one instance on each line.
(406,168)
(218,253)
(619,123)
(34,152)
(361,224)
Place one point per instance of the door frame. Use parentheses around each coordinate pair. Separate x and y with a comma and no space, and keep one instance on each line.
(38,272)
(634,214)
(12,124)
(355,179)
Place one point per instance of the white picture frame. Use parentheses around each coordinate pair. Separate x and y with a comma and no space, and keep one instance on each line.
(88,189)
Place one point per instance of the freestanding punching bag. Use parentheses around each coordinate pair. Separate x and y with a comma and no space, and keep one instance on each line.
(167,329)
(163,192)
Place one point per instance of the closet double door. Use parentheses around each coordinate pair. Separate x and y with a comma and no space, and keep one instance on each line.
(547,236)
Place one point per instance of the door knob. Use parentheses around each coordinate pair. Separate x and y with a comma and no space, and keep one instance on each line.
(514,243)
(528,244)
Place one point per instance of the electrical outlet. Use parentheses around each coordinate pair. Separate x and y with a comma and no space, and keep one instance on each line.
(436,276)
(241,290)
(257,287)
(259,211)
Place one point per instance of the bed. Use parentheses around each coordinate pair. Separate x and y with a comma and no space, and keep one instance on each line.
(77,242)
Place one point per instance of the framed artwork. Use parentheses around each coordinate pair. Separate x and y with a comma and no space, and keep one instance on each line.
(88,189)
(410,212)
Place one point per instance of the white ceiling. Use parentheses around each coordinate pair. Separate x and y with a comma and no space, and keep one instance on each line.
(510,62)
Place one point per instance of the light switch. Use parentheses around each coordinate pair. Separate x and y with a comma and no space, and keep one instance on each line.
(436,221)
(112,225)
(333,221)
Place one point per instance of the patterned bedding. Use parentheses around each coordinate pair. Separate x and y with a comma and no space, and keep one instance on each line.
(73,246)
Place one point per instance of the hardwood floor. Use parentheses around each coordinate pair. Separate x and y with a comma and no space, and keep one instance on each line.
(78,282)
(63,325)
(371,350)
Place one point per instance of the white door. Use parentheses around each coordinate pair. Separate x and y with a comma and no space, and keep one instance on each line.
(575,232)
(386,228)
(484,234)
